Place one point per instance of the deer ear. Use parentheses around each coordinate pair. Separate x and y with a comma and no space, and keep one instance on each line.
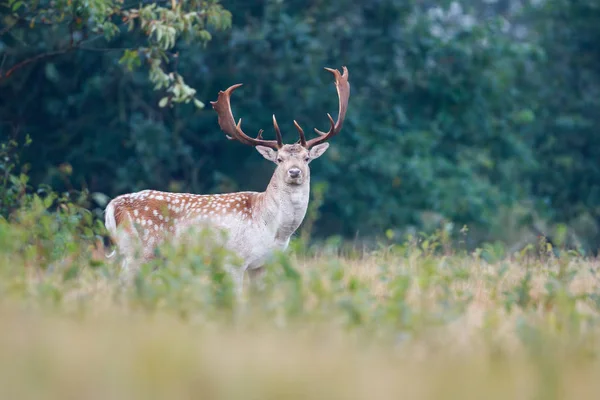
(267,153)
(318,150)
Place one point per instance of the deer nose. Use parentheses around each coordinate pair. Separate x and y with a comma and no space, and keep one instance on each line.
(294,172)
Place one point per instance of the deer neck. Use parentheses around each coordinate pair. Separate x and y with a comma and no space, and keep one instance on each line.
(284,207)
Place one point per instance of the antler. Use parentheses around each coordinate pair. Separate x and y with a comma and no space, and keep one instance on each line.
(234,132)
(343,89)
(301,133)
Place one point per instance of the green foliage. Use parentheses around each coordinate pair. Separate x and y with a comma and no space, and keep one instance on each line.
(163,24)
(460,114)
(13,185)
(565,137)
(41,227)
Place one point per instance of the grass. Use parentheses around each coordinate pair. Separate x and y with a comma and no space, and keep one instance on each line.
(421,320)
(403,322)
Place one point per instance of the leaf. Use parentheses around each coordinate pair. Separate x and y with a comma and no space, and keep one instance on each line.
(524,117)
(131,59)
(51,72)
(100,198)
(163,102)
(198,103)
(48,201)
(16,5)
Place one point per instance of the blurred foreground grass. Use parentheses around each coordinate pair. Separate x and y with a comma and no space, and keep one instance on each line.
(402,322)
(422,320)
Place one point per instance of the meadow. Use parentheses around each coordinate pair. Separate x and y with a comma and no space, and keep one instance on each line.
(424,319)
(478,112)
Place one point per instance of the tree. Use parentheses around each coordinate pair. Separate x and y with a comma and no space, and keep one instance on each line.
(77,25)
(452,116)
(566,141)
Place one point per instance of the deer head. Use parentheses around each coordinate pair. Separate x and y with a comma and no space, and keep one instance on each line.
(291,159)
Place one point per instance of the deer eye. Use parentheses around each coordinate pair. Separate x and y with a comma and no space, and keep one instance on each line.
(279,159)
(307,159)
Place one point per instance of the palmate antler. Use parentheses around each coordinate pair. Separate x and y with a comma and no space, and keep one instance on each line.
(234,131)
(343,89)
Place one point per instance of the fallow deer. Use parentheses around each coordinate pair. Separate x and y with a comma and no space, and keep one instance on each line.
(256,223)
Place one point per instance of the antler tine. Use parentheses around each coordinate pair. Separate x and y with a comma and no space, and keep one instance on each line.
(277,132)
(301,134)
(234,131)
(343,90)
(321,133)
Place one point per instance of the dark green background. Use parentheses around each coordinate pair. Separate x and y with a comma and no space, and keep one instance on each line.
(480,114)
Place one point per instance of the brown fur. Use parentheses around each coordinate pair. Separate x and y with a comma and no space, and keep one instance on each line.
(153,215)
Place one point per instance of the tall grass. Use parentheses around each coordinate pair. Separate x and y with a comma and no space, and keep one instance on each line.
(419,320)
(396,323)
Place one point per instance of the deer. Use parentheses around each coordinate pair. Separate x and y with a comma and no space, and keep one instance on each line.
(256,224)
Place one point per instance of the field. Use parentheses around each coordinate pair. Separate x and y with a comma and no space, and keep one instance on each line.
(419,321)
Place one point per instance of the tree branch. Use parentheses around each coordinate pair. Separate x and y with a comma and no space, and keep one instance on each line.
(31,60)
(28,61)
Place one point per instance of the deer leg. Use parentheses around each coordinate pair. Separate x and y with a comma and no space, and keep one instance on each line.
(237,277)
(256,276)
(131,264)
(129,244)
(127,270)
